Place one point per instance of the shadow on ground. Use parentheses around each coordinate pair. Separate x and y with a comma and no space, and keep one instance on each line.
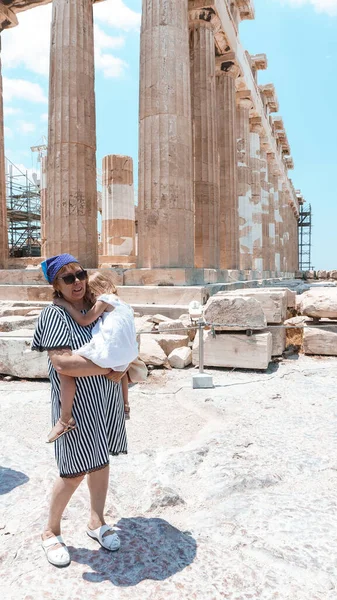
(150,549)
(10,479)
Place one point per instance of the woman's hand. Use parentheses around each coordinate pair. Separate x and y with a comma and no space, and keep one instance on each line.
(115,376)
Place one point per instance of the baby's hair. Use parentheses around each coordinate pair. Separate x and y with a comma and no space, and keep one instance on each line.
(102,283)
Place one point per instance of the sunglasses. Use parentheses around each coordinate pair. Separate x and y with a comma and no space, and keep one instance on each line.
(71,278)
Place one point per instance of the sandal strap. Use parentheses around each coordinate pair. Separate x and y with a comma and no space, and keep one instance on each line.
(57,539)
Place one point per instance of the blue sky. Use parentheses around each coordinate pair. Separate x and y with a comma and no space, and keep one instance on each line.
(299,38)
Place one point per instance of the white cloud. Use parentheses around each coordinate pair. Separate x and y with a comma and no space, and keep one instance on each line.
(8,132)
(9,111)
(327,6)
(116,14)
(24,127)
(21,88)
(44,117)
(28,44)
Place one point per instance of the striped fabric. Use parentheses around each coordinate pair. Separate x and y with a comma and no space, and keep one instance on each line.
(98,406)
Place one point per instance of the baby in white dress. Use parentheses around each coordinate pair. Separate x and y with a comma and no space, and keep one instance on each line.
(113,344)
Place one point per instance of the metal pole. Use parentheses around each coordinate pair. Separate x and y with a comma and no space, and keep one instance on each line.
(201,346)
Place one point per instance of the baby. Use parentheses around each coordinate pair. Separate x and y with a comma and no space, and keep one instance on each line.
(113,345)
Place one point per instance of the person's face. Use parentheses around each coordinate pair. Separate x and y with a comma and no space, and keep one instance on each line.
(72,292)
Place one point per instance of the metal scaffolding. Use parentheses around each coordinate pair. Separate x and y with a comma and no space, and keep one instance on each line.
(305,238)
(23,212)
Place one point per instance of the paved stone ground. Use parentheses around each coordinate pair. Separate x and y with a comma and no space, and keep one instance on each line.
(227,493)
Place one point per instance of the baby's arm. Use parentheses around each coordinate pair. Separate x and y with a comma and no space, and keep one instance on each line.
(87,319)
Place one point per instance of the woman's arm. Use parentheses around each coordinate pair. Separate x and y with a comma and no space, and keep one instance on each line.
(91,316)
(74,365)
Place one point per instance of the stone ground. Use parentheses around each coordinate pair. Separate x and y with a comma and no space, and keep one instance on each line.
(227,493)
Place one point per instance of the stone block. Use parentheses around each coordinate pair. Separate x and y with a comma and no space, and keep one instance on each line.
(232,312)
(322,274)
(151,294)
(159,319)
(333,274)
(17,359)
(151,352)
(169,341)
(172,325)
(180,358)
(13,323)
(185,319)
(279,340)
(171,311)
(319,303)
(235,350)
(274,303)
(319,340)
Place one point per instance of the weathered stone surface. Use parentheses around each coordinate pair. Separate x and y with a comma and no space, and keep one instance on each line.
(16,322)
(180,358)
(185,319)
(235,350)
(273,302)
(173,324)
(323,274)
(159,319)
(319,340)
(143,324)
(151,352)
(237,313)
(279,340)
(333,274)
(169,341)
(320,303)
(17,359)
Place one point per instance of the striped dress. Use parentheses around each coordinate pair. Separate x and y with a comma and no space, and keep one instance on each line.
(98,406)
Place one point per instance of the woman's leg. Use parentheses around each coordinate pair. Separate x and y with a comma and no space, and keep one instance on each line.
(98,487)
(63,489)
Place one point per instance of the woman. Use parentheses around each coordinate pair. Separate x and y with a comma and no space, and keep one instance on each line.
(98,410)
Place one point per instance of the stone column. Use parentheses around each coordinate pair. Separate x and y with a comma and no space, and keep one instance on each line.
(255,150)
(43,200)
(271,210)
(71,212)
(205,142)
(166,208)
(244,185)
(229,207)
(3,205)
(265,197)
(118,208)
(278,219)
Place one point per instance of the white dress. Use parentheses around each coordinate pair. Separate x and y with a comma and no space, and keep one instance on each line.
(114,342)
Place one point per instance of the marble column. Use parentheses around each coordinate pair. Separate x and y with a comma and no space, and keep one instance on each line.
(265,198)
(278,219)
(229,243)
(43,199)
(244,184)
(271,211)
(3,205)
(165,209)
(71,212)
(118,208)
(205,141)
(255,150)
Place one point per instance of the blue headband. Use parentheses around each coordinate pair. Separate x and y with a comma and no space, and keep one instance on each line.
(51,266)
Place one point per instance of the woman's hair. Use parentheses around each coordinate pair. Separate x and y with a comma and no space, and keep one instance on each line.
(102,283)
(74,265)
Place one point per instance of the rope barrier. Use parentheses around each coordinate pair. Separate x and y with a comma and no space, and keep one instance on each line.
(238,328)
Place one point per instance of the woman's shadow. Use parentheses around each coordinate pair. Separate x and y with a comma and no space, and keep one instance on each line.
(150,549)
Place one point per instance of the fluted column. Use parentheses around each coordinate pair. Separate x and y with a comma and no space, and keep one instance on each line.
(205,141)
(278,219)
(165,208)
(3,206)
(244,185)
(118,207)
(229,243)
(71,212)
(271,211)
(265,210)
(43,199)
(257,177)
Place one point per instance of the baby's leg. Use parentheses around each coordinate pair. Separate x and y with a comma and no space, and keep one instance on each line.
(66,422)
(125,390)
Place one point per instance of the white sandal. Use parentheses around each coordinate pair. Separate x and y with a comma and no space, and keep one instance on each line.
(59,557)
(109,542)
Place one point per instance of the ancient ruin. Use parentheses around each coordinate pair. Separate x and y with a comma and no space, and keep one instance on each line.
(214,192)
